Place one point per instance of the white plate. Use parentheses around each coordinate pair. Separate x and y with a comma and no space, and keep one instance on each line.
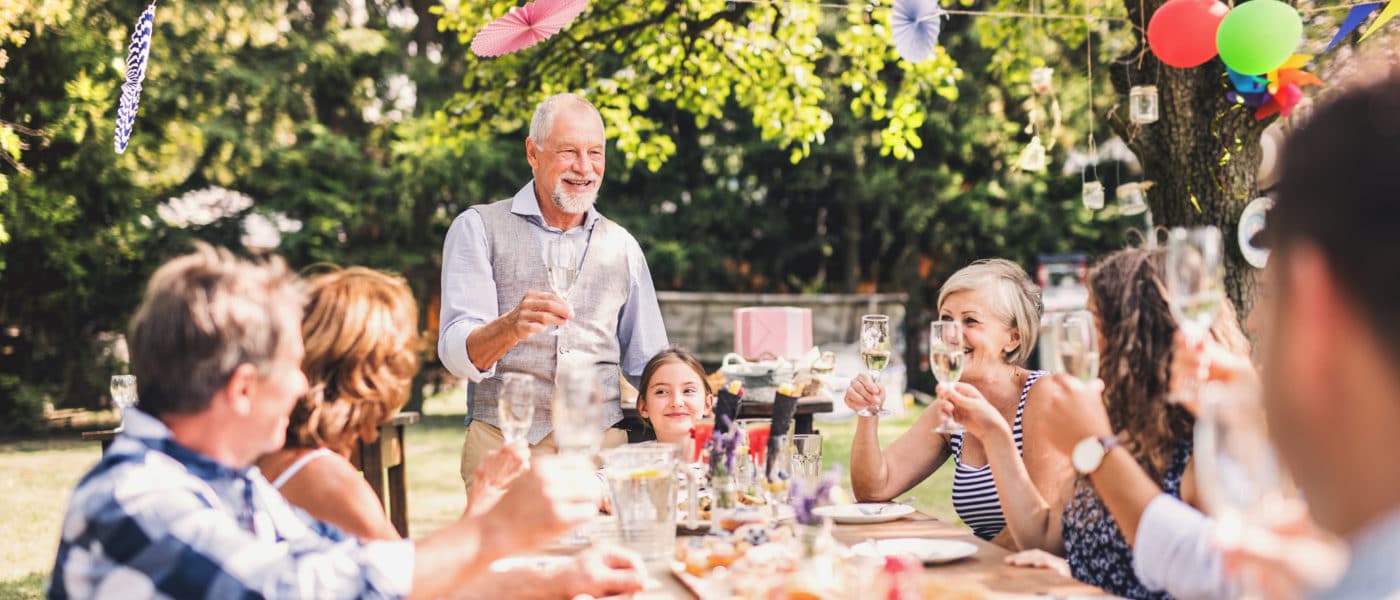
(925,550)
(864,512)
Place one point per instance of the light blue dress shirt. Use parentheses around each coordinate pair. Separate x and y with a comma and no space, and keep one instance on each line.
(469,290)
(1374,567)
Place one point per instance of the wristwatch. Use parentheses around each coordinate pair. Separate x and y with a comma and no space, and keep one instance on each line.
(1089,452)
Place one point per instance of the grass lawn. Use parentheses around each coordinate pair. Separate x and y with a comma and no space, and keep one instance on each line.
(37,476)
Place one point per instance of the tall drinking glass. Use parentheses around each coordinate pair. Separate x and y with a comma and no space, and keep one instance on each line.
(1236,467)
(578,419)
(945,359)
(875,351)
(1195,282)
(561,263)
(123,388)
(515,407)
(806,459)
(1077,345)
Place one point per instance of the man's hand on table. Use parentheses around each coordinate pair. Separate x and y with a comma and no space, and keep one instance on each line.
(1039,559)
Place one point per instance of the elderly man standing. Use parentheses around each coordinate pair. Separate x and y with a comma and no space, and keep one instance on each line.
(496,303)
(176,509)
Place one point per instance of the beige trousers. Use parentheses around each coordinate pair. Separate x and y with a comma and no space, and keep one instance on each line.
(483,438)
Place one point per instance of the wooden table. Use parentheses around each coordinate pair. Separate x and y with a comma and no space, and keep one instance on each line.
(382,461)
(985,568)
(807,406)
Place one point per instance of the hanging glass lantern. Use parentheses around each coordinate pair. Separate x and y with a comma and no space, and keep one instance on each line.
(1042,79)
(1132,198)
(1142,104)
(1093,195)
(1033,156)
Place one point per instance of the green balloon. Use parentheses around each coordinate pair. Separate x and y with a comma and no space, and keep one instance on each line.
(1257,36)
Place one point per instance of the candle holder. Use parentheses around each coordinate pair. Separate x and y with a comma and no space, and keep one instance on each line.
(1033,156)
(1132,198)
(1093,195)
(1142,104)
(1042,80)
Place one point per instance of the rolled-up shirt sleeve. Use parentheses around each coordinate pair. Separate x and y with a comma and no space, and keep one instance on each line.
(641,333)
(468,294)
(1174,552)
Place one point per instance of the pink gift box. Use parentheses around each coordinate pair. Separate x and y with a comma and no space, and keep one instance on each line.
(762,332)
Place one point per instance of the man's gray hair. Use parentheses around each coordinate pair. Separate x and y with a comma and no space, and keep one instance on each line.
(543,121)
(204,314)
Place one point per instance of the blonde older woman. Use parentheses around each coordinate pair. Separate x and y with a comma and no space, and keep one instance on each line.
(997,401)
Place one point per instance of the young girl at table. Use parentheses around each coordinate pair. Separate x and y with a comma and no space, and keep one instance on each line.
(674,395)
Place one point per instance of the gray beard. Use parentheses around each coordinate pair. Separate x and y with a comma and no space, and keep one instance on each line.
(574,204)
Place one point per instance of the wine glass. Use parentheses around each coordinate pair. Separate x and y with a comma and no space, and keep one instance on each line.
(875,351)
(123,388)
(515,407)
(578,412)
(945,359)
(561,262)
(1077,345)
(1236,467)
(1195,282)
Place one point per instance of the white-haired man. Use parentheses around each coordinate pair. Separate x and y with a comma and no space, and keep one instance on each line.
(496,298)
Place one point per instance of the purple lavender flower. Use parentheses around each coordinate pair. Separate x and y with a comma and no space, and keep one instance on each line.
(724,446)
(805,502)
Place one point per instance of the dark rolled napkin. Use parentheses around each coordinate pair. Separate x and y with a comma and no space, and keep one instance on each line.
(727,405)
(784,408)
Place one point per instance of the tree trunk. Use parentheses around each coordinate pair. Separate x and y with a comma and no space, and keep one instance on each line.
(1203,147)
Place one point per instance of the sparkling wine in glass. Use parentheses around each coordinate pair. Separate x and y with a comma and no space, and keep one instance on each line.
(945,358)
(1195,282)
(515,407)
(1077,345)
(561,265)
(123,388)
(875,351)
(1236,467)
(578,413)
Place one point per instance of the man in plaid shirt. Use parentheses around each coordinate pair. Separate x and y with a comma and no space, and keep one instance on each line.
(176,509)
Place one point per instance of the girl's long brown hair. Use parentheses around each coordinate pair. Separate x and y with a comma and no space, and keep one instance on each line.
(360,331)
(1130,297)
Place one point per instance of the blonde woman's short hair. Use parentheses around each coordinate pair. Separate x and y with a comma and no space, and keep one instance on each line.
(1015,299)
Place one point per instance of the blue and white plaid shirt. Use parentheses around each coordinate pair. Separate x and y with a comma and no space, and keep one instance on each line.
(155,519)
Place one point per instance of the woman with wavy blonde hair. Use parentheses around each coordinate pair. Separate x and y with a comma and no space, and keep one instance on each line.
(359,330)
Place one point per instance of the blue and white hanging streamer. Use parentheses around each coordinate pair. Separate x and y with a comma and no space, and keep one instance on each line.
(135,74)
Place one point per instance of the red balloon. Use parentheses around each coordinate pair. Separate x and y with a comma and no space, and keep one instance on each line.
(1182,32)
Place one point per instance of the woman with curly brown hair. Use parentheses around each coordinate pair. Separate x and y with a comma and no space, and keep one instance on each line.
(1136,337)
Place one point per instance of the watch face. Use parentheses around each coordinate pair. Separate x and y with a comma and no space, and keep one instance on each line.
(1087,455)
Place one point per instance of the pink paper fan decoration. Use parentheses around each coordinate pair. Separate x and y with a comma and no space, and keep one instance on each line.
(526,26)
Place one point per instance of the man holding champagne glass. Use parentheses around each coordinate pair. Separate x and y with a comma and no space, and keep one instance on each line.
(541,280)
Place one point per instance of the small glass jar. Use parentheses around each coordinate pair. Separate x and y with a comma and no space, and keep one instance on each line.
(1042,80)
(1033,156)
(1142,104)
(1093,195)
(1132,198)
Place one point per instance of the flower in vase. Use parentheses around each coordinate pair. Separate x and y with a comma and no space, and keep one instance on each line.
(804,501)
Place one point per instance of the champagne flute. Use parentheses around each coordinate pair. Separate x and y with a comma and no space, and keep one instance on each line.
(1077,345)
(945,359)
(1238,473)
(123,388)
(578,413)
(561,263)
(1195,282)
(515,407)
(875,351)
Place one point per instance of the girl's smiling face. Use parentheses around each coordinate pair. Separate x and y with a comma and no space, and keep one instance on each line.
(674,400)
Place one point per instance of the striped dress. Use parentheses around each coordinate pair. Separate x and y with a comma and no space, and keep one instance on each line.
(974,492)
